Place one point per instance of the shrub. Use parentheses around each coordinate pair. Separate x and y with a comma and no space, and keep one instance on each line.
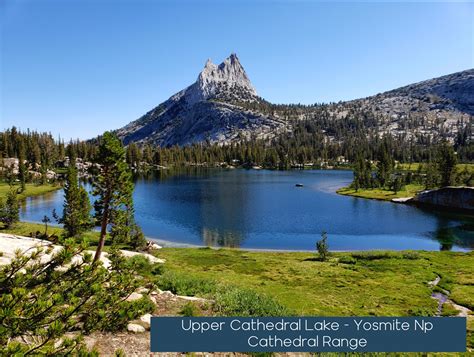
(188,310)
(410,255)
(140,263)
(143,266)
(119,353)
(228,300)
(48,298)
(372,255)
(179,283)
(242,302)
(345,259)
(322,247)
(157,269)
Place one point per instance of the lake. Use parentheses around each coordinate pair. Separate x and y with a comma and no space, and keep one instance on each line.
(263,209)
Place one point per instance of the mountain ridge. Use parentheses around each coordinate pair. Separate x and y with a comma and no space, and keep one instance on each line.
(222,106)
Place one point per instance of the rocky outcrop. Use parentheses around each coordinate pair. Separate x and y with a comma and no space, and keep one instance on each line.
(460,198)
(10,244)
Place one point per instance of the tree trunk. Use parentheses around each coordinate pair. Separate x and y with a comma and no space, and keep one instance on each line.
(103,232)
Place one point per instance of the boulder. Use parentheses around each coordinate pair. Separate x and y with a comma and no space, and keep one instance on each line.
(167,294)
(135,328)
(191,298)
(146,319)
(134,296)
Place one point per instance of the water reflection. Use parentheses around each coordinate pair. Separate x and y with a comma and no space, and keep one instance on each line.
(223,205)
(214,238)
(461,236)
(453,229)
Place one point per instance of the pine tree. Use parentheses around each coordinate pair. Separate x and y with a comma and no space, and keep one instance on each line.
(10,210)
(397,184)
(385,167)
(322,247)
(22,170)
(53,298)
(76,209)
(432,176)
(114,188)
(446,164)
(46,220)
(362,173)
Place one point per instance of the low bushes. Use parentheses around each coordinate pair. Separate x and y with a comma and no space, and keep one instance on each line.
(372,255)
(345,259)
(144,267)
(228,300)
(183,284)
(377,255)
(188,310)
(242,302)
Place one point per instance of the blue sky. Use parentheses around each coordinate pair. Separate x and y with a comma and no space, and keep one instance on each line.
(77,68)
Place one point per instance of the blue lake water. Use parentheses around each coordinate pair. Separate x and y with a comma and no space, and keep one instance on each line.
(263,209)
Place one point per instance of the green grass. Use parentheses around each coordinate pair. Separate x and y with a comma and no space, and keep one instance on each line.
(349,284)
(414,166)
(381,194)
(380,283)
(26,228)
(31,189)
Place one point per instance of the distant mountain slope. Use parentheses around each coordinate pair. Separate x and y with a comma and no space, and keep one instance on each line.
(435,108)
(453,92)
(222,106)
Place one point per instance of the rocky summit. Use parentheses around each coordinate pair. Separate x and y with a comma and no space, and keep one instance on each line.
(208,110)
(222,106)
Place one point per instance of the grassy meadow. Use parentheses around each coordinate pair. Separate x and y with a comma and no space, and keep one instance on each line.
(415,166)
(31,189)
(348,284)
(358,283)
(381,194)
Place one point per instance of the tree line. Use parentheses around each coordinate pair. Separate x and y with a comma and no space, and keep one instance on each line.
(319,142)
(439,171)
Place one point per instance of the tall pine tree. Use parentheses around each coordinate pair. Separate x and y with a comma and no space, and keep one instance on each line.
(76,216)
(113,188)
(446,164)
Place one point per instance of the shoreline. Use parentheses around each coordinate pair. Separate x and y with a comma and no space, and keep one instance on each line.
(164,243)
(170,244)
